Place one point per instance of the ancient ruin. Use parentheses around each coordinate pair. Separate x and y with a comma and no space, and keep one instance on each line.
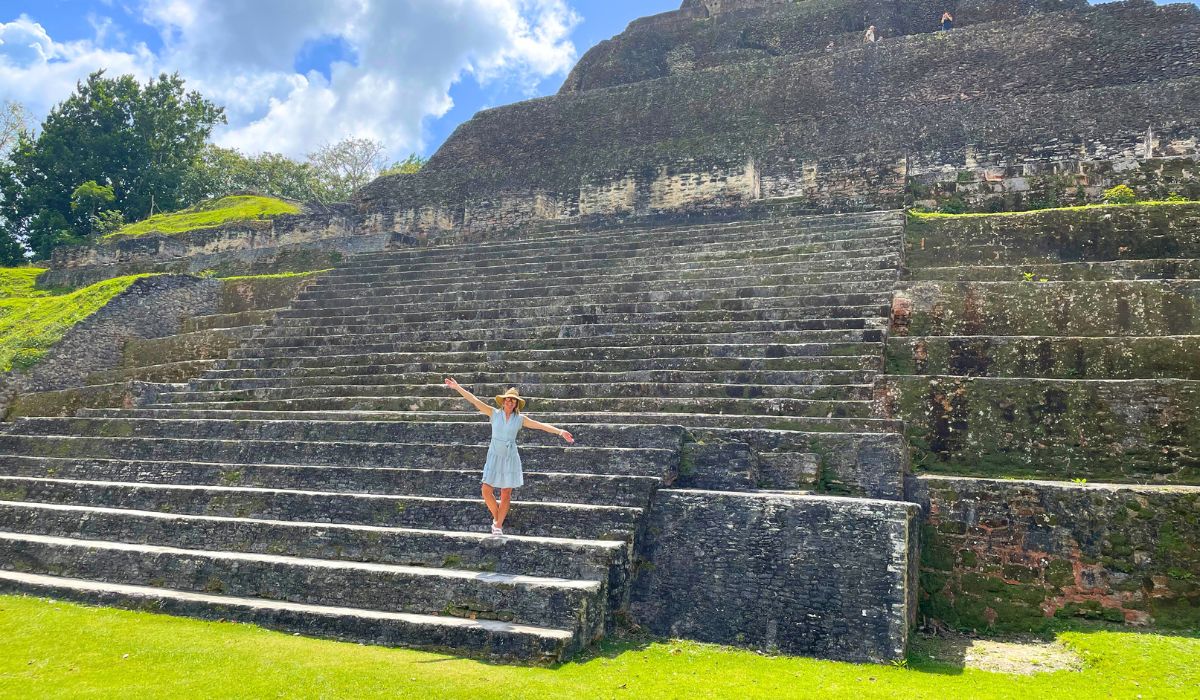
(807,420)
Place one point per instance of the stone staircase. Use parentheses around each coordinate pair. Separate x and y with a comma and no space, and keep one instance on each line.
(323,480)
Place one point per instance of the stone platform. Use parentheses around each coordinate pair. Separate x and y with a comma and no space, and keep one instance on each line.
(323,480)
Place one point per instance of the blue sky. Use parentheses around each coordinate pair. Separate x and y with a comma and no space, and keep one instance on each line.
(295,74)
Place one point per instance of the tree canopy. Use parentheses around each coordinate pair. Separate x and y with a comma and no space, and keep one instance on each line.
(139,140)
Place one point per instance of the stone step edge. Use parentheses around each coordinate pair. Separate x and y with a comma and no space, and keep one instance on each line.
(643,238)
(648,480)
(566,507)
(433,257)
(394,445)
(606,545)
(33,583)
(416,572)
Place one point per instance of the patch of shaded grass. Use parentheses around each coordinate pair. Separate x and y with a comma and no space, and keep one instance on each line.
(1032,212)
(209,215)
(55,649)
(30,324)
(19,281)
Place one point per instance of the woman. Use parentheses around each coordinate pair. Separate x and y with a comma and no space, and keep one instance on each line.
(947,21)
(503,467)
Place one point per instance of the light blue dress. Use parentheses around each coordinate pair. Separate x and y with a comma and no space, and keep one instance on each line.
(503,467)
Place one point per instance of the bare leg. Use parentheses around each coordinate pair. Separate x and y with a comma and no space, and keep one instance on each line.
(489,499)
(502,512)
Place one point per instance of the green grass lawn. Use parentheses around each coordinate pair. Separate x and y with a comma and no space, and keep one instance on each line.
(32,320)
(56,649)
(209,214)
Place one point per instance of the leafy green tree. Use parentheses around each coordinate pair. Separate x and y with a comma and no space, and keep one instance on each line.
(339,169)
(140,139)
(412,164)
(218,172)
(91,197)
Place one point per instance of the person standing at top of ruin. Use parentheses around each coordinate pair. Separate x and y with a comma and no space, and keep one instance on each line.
(502,469)
(947,21)
(869,37)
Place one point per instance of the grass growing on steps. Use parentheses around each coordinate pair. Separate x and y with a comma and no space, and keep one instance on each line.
(210,214)
(925,215)
(56,649)
(19,281)
(33,320)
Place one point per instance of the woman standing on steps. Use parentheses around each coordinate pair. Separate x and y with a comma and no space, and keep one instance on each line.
(503,467)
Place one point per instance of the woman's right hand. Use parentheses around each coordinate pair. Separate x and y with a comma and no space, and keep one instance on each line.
(451,383)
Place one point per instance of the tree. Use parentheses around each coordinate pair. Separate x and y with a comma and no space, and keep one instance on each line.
(412,164)
(140,139)
(341,168)
(90,198)
(14,121)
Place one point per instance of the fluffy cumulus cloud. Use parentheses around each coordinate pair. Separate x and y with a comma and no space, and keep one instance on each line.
(400,60)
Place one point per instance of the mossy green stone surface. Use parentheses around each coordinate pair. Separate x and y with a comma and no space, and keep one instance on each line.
(33,321)
(209,215)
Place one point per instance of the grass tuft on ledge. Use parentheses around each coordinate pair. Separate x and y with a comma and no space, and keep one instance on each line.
(58,649)
(210,214)
(924,215)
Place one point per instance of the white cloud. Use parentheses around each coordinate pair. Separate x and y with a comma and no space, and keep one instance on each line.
(242,55)
(40,72)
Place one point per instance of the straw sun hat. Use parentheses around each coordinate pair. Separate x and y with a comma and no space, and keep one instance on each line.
(512,393)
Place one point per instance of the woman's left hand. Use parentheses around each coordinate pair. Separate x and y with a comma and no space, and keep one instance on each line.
(568,437)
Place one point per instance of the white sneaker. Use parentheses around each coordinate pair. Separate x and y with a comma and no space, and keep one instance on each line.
(496,529)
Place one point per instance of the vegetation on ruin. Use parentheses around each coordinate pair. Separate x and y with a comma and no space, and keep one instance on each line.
(924,215)
(33,320)
(57,649)
(210,214)
(276,276)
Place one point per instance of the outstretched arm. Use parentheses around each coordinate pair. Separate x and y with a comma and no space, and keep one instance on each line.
(472,398)
(537,425)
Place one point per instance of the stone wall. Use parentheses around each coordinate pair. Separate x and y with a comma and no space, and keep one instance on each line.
(151,307)
(288,243)
(840,130)
(812,575)
(707,33)
(1008,555)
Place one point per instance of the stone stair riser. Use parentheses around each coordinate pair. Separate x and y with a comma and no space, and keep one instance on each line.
(525,518)
(571,559)
(195,570)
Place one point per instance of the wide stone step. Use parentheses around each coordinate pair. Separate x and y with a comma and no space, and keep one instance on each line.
(638,239)
(489,261)
(476,377)
(295,327)
(471,428)
(763,259)
(576,459)
(748,406)
(248,369)
(563,286)
(598,560)
(487,638)
(542,237)
(686,420)
(168,372)
(717,275)
(600,271)
(484,297)
(618,245)
(619,490)
(533,518)
(337,342)
(232,320)
(336,354)
(537,391)
(536,600)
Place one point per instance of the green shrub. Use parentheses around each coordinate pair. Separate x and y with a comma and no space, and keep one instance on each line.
(1176,197)
(1121,194)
